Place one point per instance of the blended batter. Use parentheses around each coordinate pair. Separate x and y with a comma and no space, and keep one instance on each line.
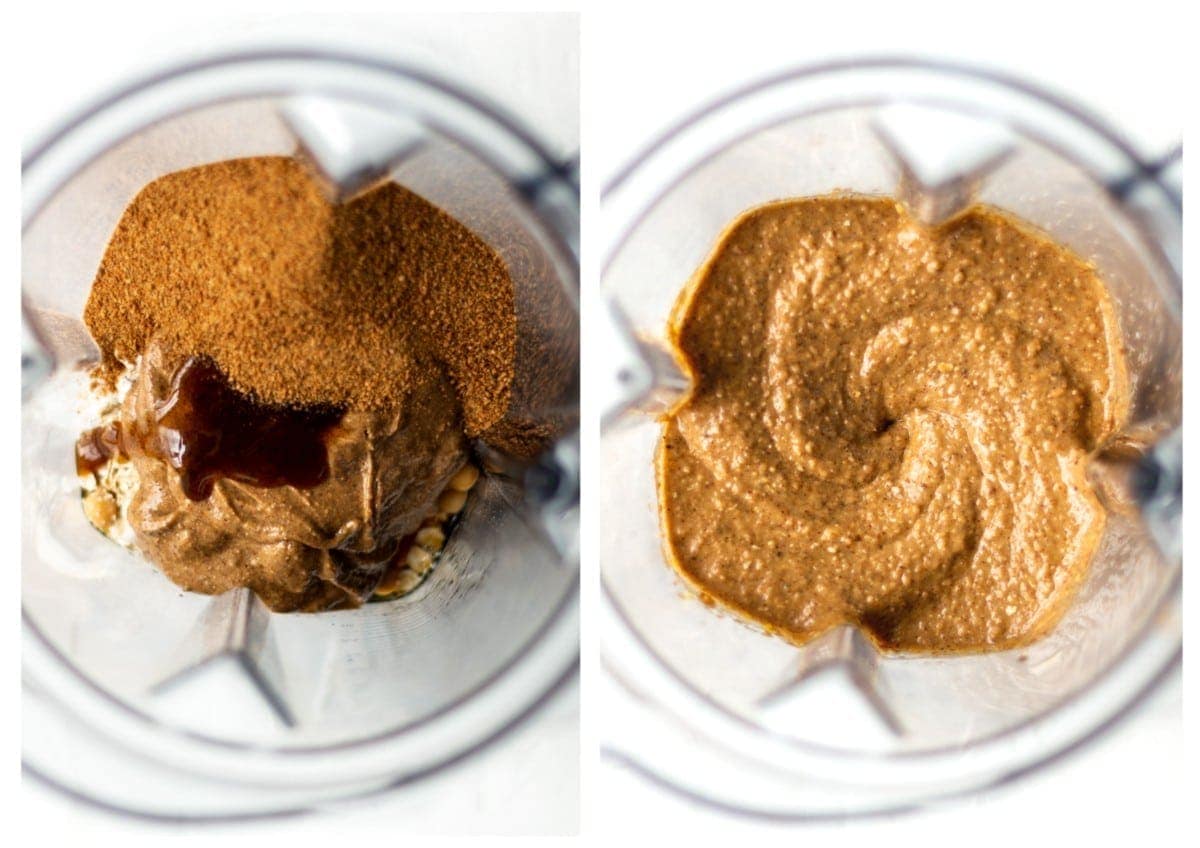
(889,424)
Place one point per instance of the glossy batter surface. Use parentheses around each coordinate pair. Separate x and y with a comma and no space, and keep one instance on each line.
(889,424)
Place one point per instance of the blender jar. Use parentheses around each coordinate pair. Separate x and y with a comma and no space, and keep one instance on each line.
(725,714)
(143,698)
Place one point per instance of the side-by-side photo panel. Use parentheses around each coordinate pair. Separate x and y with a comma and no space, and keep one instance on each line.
(891,475)
(300,426)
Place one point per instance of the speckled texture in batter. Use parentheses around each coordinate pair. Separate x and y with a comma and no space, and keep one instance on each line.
(889,424)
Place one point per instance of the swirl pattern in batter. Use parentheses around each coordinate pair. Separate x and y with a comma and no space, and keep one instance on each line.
(889,424)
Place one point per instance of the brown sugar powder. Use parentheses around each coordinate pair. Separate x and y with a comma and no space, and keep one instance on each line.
(300,301)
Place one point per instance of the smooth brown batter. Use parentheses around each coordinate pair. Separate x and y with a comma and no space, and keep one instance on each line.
(889,424)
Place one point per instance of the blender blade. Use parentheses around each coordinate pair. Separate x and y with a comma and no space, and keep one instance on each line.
(1142,476)
(230,651)
(643,375)
(942,157)
(351,147)
(37,363)
(836,686)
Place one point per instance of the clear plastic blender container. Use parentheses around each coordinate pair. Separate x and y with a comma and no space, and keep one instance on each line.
(723,713)
(143,698)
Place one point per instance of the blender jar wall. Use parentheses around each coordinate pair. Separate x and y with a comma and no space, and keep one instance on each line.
(708,176)
(396,676)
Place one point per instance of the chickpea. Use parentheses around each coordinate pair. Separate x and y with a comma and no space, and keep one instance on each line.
(100,507)
(419,559)
(466,478)
(431,538)
(452,501)
(404,580)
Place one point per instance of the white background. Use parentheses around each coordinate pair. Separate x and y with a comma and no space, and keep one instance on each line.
(645,65)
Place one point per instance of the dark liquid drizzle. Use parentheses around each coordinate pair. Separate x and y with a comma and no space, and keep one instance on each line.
(207,429)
